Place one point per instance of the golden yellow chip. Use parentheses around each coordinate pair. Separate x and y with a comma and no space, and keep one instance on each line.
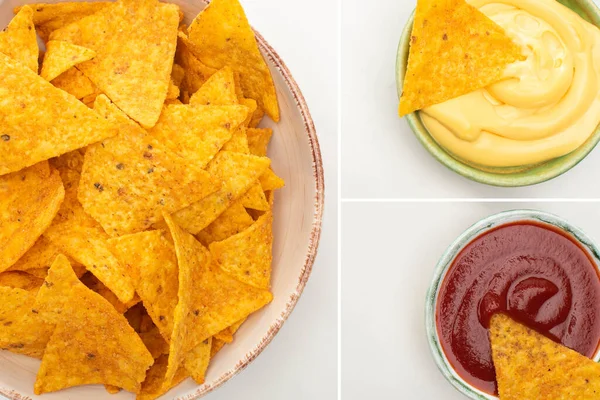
(218,90)
(529,366)
(233,220)
(29,201)
(40,255)
(217,345)
(92,342)
(177,74)
(196,73)
(253,107)
(61,56)
(197,360)
(226,335)
(153,387)
(75,83)
(38,272)
(221,35)
(455,49)
(238,142)
(50,17)
(247,256)
(20,280)
(258,140)
(127,182)
(22,331)
(172,91)
(155,342)
(152,264)
(270,181)
(255,198)
(197,133)
(18,40)
(238,172)
(94,284)
(135,42)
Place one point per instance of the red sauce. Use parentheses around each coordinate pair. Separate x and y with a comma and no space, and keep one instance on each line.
(535,273)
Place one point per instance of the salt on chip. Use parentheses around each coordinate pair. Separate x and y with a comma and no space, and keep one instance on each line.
(127,182)
(92,343)
(152,264)
(530,366)
(247,256)
(135,42)
(197,360)
(258,140)
(219,89)
(153,386)
(221,35)
(238,172)
(233,220)
(61,56)
(29,201)
(40,121)
(74,82)
(19,41)
(455,49)
(20,280)
(196,72)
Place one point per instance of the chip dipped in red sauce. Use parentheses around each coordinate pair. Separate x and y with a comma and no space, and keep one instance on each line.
(533,272)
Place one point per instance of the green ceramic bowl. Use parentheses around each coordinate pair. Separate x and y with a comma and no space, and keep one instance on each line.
(513,176)
(445,262)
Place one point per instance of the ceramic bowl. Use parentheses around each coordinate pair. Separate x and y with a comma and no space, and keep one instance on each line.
(446,261)
(513,176)
(296,157)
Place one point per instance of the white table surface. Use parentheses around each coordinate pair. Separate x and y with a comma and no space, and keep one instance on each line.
(389,252)
(381,157)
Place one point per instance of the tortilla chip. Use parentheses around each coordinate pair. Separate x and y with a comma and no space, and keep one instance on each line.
(221,35)
(247,256)
(18,40)
(197,360)
(197,133)
(40,121)
(94,284)
(50,17)
(218,90)
(529,366)
(127,182)
(177,74)
(237,171)
(152,264)
(258,140)
(153,386)
(38,272)
(196,72)
(270,181)
(257,116)
(155,342)
(29,200)
(135,73)
(75,83)
(21,330)
(455,49)
(217,345)
(255,198)
(134,316)
(238,142)
(20,280)
(226,335)
(61,56)
(200,314)
(92,342)
(233,220)
(172,91)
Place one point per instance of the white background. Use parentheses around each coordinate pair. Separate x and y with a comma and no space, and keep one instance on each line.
(381,157)
(389,252)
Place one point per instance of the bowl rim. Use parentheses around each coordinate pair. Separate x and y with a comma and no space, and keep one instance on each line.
(315,233)
(536,174)
(446,260)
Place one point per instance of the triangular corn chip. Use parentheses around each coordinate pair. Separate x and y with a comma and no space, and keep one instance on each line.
(247,256)
(19,41)
(455,49)
(529,366)
(92,342)
(218,90)
(257,116)
(41,121)
(258,140)
(217,345)
(197,360)
(255,198)
(155,342)
(226,334)
(172,91)
(60,56)
(134,41)
(177,75)
(20,280)
(154,387)
(74,82)
(238,142)
(233,220)
(94,284)
(270,181)
(127,182)
(221,35)
(29,201)
(196,72)
(151,261)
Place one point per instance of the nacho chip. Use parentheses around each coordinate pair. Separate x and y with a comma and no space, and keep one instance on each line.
(29,200)
(529,366)
(258,140)
(455,49)
(38,272)
(21,330)
(153,386)
(172,91)
(75,83)
(92,342)
(233,220)
(238,142)
(155,342)
(221,35)
(247,256)
(217,345)
(196,72)
(152,264)
(218,90)
(134,316)
(94,284)
(197,360)
(197,133)
(18,40)
(135,72)
(177,74)
(253,107)
(270,181)
(61,56)
(20,280)
(226,334)
(40,121)
(255,198)
(50,17)
(127,182)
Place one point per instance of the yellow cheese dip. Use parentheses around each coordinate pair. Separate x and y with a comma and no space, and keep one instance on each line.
(547,106)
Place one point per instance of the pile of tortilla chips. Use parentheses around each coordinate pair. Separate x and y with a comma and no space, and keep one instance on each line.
(136,195)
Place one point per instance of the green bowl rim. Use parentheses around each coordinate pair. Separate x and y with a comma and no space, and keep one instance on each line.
(537,174)
(446,260)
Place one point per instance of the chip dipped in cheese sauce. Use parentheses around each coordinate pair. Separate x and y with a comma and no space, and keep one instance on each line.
(545,107)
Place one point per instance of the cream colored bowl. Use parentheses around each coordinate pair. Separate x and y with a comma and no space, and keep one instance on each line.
(296,158)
